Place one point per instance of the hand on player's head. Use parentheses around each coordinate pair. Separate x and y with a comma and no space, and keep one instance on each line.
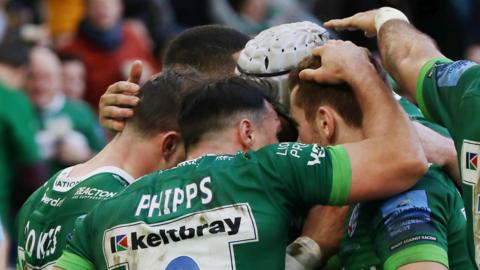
(341,61)
(364,21)
(117,102)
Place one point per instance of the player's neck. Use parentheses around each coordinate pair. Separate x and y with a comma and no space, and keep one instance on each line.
(123,152)
(349,135)
(213,147)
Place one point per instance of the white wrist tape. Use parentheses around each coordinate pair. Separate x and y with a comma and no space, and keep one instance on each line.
(303,253)
(386,14)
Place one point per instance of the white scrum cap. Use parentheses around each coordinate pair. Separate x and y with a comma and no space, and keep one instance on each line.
(274,52)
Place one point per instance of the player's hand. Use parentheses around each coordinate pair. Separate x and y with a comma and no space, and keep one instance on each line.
(324,225)
(439,150)
(117,102)
(342,61)
(364,21)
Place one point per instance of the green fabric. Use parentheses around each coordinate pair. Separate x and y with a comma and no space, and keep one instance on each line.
(451,94)
(424,73)
(163,214)
(47,218)
(430,213)
(342,176)
(17,144)
(70,261)
(420,253)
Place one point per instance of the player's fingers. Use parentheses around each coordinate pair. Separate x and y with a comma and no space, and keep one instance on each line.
(339,24)
(135,72)
(113,125)
(312,75)
(123,87)
(119,100)
(318,51)
(116,112)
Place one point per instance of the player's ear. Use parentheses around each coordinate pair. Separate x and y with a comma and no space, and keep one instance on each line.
(172,146)
(325,122)
(246,134)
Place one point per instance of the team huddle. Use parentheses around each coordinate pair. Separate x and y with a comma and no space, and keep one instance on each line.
(240,154)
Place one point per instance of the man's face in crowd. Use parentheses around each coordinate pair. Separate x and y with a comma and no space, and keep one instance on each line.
(73,75)
(104,14)
(44,77)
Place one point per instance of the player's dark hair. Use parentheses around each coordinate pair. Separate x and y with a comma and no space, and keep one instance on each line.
(207,48)
(214,107)
(311,95)
(160,100)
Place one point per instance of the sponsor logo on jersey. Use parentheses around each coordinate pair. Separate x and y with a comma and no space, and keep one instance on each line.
(93,193)
(469,160)
(352,223)
(472,161)
(316,154)
(182,241)
(118,243)
(54,202)
(291,149)
(64,185)
(448,74)
(405,212)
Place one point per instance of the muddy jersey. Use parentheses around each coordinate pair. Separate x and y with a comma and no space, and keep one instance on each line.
(214,212)
(46,219)
(449,94)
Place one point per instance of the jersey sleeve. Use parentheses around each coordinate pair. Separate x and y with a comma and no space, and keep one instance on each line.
(313,174)
(78,255)
(443,87)
(412,227)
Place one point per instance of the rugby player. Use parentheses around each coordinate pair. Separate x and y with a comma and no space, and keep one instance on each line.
(422,228)
(210,49)
(447,92)
(214,55)
(221,207)
(150,141)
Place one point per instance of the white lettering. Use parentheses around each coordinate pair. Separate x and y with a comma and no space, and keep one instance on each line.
(206,190)
(166,210)
(144,203)
(191,193)
(154,204)
(177,198)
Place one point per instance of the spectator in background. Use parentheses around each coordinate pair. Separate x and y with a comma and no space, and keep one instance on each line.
(107,45)
(253,16)
(69,132)
(73,76)
(21,171)
(62,18)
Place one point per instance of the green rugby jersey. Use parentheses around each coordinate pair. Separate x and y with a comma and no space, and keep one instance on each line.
(214,212)
(449,94)
(17,144)
(47,218)
(425,223)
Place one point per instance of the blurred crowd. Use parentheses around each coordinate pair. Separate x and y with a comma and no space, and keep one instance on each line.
(57,57)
